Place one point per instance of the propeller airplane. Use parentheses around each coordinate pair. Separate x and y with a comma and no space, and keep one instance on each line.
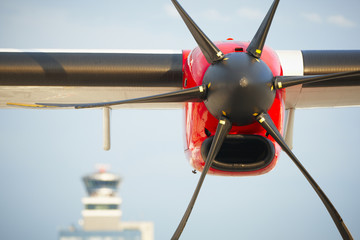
(239,97)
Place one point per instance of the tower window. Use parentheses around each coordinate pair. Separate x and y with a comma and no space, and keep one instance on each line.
(101,206)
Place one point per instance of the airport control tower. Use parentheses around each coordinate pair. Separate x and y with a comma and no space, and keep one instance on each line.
(102,214)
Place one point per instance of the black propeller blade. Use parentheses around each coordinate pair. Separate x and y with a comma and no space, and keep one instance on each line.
(265,120)
(196,94)
(222,130)
(208,48)
(284,81)
(257,43)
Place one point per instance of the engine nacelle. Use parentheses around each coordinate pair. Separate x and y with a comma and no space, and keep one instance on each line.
(247,150)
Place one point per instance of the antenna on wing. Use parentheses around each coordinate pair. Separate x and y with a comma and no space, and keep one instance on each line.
(106,128)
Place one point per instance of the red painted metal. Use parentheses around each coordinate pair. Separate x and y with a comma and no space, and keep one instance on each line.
(197,117)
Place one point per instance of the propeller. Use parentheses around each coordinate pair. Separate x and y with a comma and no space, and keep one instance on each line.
(257,43)
(265,120)
(194,94)
(237,89)
(284,81)
(248,101)
(208,48)
(222,130)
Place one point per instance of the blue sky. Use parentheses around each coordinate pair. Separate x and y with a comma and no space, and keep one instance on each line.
(44,153)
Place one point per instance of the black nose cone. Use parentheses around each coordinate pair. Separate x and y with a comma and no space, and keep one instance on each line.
(240,86)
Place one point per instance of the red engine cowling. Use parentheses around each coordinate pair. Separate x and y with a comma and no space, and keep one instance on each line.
(247,150)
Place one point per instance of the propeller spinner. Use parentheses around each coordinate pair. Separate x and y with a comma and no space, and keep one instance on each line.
(238,87)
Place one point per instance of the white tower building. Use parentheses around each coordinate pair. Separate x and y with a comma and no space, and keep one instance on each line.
(102,206)
(102,214)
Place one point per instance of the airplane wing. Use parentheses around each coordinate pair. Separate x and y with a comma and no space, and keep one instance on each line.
(72,76)
(336,93)
(339,92)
